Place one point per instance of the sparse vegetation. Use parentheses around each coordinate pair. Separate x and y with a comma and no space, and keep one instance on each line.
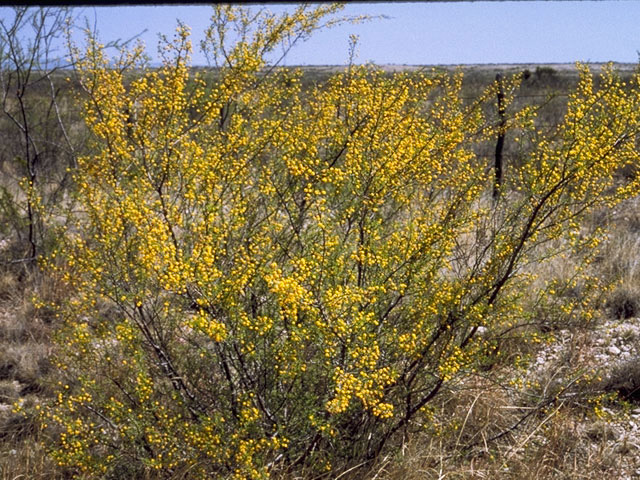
(269,274)
(545,71)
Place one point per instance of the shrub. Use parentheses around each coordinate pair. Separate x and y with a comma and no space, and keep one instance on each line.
(623,304)
(623,379)
(265,276)
(542,72)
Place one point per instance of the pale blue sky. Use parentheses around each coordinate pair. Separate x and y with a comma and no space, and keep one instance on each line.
(427,33)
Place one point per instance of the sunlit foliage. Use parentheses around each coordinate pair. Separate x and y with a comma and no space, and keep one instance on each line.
(268,277)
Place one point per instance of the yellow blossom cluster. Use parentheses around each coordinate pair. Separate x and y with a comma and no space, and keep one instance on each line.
(266,270)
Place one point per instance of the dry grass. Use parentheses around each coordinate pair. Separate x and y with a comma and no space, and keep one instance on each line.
(552,444)
(26,459)
(24,350)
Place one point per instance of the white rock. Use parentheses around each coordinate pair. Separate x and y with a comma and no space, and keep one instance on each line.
(613,350)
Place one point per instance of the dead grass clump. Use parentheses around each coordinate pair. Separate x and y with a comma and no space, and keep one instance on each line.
(24,351)
(477,411)
(624,303)
(9,391)
(550,445)
(23,361)
(619,260)
(8,285)
(27,459)
(16,427)
(555,446)
(623,379)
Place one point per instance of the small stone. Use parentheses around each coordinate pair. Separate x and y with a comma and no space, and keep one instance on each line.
(613,350)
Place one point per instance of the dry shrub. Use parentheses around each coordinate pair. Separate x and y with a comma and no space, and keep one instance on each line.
(619,261)
(624,303)
(623,379)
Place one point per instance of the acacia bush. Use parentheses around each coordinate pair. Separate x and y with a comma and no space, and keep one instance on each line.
(269,278)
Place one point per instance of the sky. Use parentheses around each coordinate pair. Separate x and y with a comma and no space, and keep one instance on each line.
(423,33)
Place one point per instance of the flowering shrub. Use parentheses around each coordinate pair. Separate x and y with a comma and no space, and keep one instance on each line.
(268,276)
